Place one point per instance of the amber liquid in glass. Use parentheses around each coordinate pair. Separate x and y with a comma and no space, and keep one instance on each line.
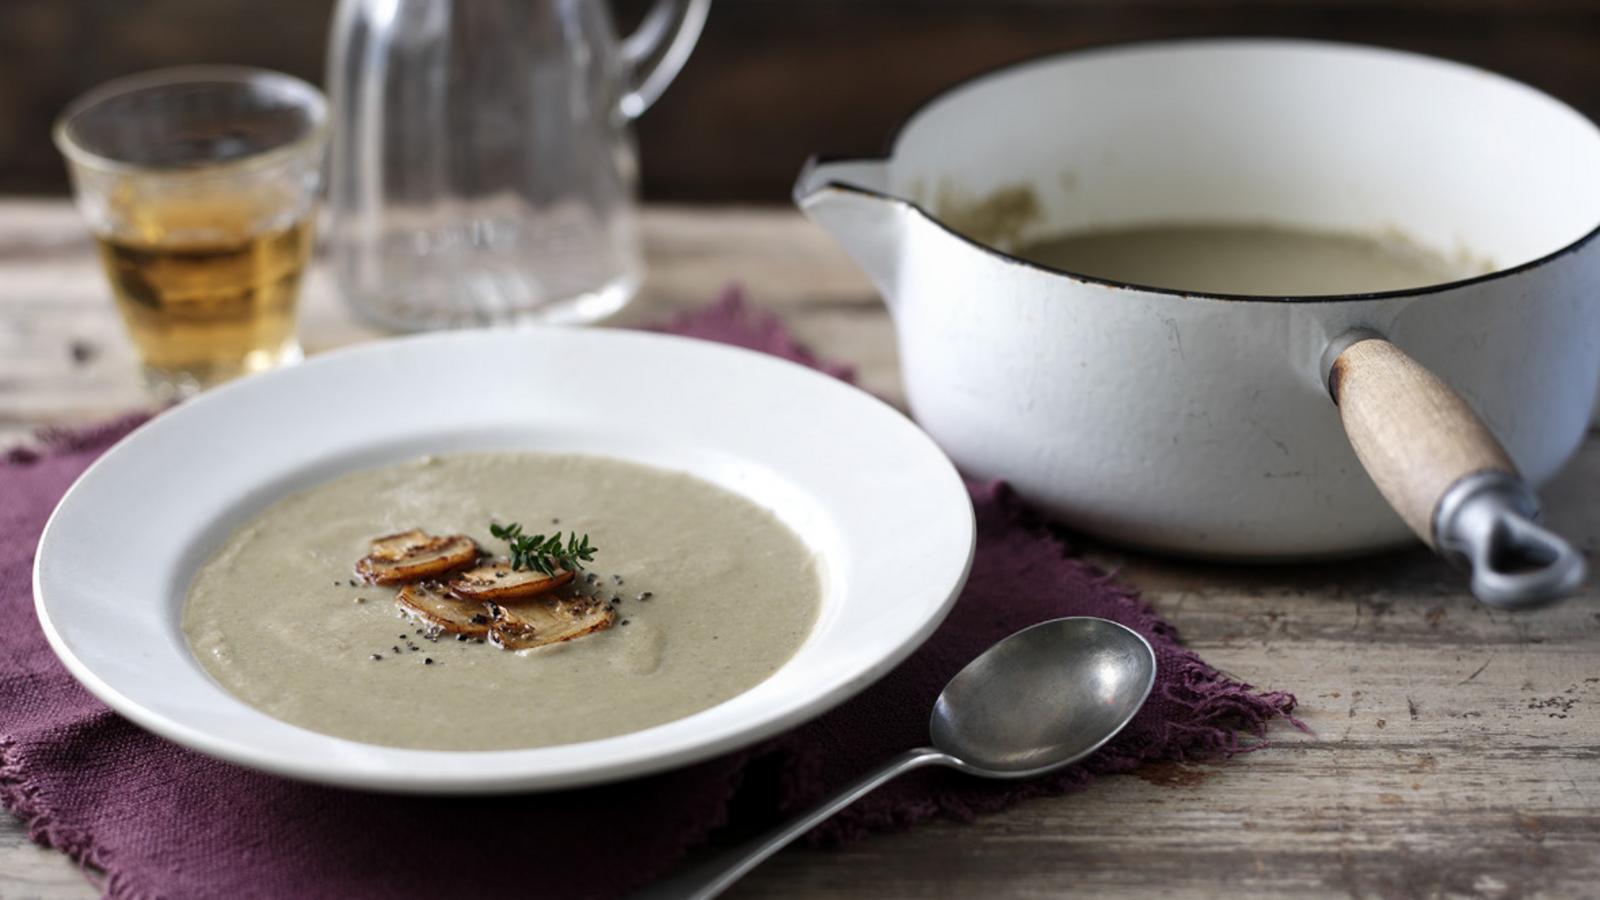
(203,294)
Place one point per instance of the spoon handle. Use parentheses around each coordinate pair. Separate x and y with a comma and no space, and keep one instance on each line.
(715,875)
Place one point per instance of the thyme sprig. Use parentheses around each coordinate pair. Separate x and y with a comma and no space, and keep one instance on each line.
(544,554)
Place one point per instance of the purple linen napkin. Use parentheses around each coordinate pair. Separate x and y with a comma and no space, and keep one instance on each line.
(161,821)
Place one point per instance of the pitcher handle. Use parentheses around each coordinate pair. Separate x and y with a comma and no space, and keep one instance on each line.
(658,48)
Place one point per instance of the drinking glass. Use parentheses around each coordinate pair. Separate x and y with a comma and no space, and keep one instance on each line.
(200,186)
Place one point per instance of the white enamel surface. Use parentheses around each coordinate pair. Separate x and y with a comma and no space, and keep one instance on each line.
(876,500)
(1200,425)
(1294,133)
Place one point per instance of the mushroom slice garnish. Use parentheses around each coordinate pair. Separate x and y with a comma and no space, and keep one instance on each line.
(437,609)
(547,620)
(414,555)
(496,580)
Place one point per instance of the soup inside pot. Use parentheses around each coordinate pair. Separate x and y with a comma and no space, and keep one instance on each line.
(1249,259)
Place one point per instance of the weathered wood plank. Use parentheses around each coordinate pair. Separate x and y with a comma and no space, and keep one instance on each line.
(1456,750)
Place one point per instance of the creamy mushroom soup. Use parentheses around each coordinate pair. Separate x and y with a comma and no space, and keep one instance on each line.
(1254,260)
(691,595)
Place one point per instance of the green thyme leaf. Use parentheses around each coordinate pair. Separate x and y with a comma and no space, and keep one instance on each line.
(539,553)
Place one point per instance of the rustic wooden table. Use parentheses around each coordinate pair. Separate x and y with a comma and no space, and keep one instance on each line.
(1455,751)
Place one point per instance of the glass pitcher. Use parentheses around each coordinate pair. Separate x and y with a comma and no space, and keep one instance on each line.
(482,167)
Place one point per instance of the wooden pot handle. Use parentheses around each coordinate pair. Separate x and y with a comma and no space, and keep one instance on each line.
(1446,475)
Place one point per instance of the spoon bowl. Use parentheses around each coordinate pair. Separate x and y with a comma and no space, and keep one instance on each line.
(1044,697)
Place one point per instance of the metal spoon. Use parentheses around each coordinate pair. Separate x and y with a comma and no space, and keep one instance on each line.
(1038,700)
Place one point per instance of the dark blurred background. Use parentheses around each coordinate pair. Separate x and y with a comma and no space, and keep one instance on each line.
(772,80)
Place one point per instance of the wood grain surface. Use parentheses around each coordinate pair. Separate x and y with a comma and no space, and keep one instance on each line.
(1414,435)
(1454,750)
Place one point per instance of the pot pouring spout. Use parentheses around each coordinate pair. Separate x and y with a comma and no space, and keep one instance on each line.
(851,200)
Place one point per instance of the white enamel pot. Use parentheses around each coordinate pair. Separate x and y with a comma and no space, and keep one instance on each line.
(1251,428)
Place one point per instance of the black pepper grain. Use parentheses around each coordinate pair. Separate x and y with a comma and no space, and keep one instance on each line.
(624,621)
(395,648)
(461,637)
(427,660)
(377,656)
(617,578)
(354,583)
(646,595)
